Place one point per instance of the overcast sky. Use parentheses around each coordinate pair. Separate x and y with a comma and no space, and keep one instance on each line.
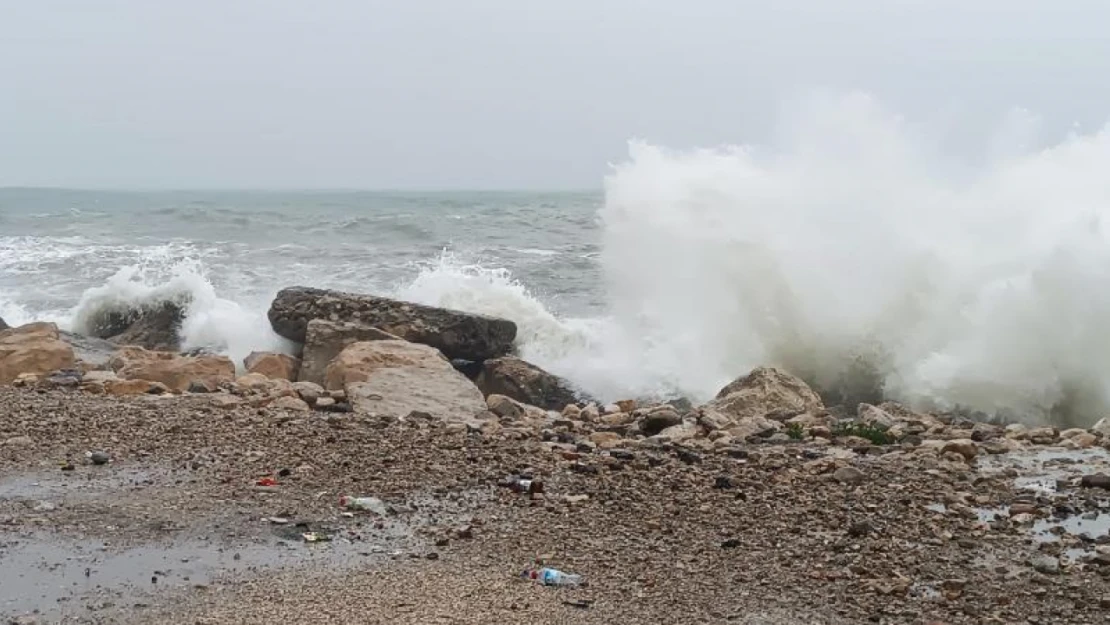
(493,93)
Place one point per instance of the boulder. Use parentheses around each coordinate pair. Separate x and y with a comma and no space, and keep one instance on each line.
(3,325)
(659,419)
(399,378)
(155,326)
(176,371)
(273,365)
(525,382)
(325,339)
(290,403)
(766,392)
(875,417)
(34,348)
(456,334)
(1102,427)
(92,352)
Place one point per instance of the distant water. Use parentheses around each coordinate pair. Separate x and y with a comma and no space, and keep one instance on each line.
(847,251)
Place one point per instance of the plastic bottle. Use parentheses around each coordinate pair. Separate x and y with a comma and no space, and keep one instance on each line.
(554,577)
(371,504)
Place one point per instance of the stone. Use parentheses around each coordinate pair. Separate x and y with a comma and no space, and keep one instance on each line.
(290,403)
(849,475)
(225,401)
(659,419)
(99,457)
(526,383)
(325,339)
(677,433)
(605,440)
(1082,440)
(965,447)
(310,392)
(34,348)
(398,378)
(3,325)
(176,371)
(765,392)
(456,334)
(503,406)
(273,365)
(1096,480)
(1102,427)
(1040,436)
(875,417)
(1043,563)
(91,353)
(155,326)
(123,388)
(753,426)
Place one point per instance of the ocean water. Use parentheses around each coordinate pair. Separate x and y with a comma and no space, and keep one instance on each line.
(850,249)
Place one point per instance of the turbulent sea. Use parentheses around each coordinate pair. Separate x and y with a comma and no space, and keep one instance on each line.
(846,252)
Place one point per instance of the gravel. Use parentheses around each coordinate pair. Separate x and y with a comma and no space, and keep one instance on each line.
(763,534)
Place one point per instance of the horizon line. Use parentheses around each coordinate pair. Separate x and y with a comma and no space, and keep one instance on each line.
(202,189)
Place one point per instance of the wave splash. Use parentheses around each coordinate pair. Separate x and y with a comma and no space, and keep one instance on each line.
(848,250)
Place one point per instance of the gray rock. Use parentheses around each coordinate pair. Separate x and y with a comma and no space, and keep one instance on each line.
(849,475)
(3,325)
(1046,564)
(658,420)
(526,383)
(155,326)
(89,350)
(99,457)
(457,334)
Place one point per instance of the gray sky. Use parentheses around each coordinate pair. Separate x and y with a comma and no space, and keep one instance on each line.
(494,93)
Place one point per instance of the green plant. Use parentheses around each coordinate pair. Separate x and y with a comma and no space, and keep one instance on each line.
(867,431)
(795,431)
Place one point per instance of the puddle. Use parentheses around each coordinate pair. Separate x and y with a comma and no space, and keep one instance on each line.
(1040,470)
(84,483)
(51,575)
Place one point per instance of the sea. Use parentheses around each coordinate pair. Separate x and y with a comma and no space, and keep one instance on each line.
(847,253)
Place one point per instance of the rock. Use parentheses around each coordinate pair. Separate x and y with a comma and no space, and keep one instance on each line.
(659,419)
(1097,480)
(875,417)
(504,407)
(122,388)
(1040,436)
(765,392)
(290,403)
(1102,427)
(605,440)
(99,457)
(962,446)
(849,475)
(92,352)
(525,382)
(225,401)
(33,348)
(753,426)
(456,334)
(3,325)
(155,326)
(1082,440)
(677,433)
(398,378)
(325,339)
(177,372)
(1043,563)
(273,365)
(310,392)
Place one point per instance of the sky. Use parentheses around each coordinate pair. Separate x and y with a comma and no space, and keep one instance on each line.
(513,94)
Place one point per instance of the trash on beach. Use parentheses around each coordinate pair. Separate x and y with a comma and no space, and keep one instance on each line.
(266,481)
(368,504)
(315,537)
(552,577)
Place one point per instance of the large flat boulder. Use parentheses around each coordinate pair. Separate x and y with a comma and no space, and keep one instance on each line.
(765,393)
(34,348)
(512,377)
(456,334)
(273,365)
(176,371)
(399,378)
(325,339)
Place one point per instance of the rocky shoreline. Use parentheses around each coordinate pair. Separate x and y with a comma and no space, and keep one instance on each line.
(762,505)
